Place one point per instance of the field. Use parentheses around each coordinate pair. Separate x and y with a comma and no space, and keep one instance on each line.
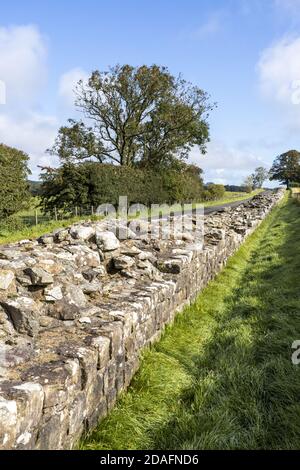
(36,224)
(222,375)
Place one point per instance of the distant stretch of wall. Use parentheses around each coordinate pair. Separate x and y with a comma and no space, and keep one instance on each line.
(79,305)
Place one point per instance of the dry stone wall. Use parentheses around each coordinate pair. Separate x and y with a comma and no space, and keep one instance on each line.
(77,306)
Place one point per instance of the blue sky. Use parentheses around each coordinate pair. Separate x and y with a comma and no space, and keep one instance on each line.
(244,53)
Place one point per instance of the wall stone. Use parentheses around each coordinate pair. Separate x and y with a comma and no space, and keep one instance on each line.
(78,306)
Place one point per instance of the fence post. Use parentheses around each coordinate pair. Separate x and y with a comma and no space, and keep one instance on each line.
(55,212)
(92,210)
(36,217)
(76,211)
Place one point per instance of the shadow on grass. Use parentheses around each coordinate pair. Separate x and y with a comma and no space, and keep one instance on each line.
(246,391)
(222,376)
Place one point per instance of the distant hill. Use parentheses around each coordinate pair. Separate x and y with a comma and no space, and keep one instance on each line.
(234,189)
(35,187)
(229,187)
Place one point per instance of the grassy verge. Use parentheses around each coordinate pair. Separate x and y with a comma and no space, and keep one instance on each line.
(31,230)
(232,197)
(222,377)
(34,231)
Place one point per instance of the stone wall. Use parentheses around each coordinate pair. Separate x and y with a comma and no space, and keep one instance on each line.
(78,306)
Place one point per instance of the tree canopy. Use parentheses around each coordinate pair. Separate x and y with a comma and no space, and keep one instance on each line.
(91,184)
(13,180)
(135,116)
(248,184)
(286,167)
(259,177)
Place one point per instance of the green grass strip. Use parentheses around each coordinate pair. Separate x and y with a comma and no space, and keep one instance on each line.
(222,377)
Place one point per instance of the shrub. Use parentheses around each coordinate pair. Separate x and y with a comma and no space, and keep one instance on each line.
(14,192)
(213,192)
(11,224)
(248,189)
(94,184)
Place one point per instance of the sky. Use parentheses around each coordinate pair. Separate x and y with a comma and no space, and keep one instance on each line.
(244,53)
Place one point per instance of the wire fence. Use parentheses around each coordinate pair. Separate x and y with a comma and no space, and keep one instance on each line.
(35,216)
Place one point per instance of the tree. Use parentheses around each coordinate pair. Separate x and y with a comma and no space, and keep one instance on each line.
(248,184)
(215,191)
(135,115)
(64,187)
(286,168)
(259,177)
(13,180)
(91,184)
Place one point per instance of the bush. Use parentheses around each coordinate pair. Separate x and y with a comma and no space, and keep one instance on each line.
(12,223)
(213,192)
(248,189)
(94,184)
(234,189)
(14,192)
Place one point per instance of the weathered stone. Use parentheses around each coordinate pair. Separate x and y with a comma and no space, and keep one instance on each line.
(130,251)
(92,259)
(46,322)
(91,274)
(52,294)
(81,232)
(169,266)
(24,314)
(6,279)
(85,320)
(44,239)
(89,311)
(8,254)
(30,399)
(68,308)
(92,287)
(60,235)
(8,423)
(95,319)
(107,241)
(24,280)
(51,266)
(123,262)
(146,255)
(39,277)
(74,295)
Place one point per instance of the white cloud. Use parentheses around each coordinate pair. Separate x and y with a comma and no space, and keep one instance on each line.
(225,165)
(279,79)
(33,134)
(23,69)
(67,85)
(279,70)
(22,62)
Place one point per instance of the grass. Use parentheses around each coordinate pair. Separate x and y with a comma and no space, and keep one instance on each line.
(222,377)
(232,197)
(31,230)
